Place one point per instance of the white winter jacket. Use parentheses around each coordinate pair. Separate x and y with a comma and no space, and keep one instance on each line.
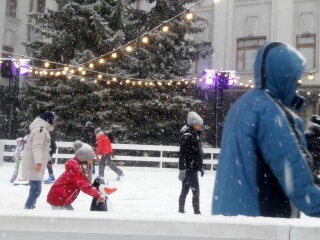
(36,151)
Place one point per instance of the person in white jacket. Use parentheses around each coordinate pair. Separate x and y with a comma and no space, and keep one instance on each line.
(17,157)
(36,154)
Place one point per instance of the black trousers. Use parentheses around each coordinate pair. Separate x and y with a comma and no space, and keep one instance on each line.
(191,181)
(106,160)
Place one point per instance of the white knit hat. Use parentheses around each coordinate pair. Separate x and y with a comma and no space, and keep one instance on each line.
(84,151)
(194,119)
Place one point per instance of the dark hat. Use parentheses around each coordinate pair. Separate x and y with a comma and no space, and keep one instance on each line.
(315,119)
(48,117)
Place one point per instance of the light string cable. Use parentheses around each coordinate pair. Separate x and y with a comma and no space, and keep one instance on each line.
(117,49)
(99,74)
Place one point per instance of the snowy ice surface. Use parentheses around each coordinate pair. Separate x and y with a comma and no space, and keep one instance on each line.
(141,191)
(144,193)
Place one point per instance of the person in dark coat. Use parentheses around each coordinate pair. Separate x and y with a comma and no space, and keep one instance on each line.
(312,135)
(190,161)
(89,137)
(53,148)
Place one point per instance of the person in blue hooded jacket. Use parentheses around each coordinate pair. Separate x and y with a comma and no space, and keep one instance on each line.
(263,165)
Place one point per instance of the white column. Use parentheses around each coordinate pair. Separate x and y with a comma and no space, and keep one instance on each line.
(282,21)
(222,34)
(2,18)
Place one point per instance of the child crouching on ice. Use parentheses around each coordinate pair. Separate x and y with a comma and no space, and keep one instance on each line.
(75,178)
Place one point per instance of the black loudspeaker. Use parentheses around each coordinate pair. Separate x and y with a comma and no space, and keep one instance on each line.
(6,69)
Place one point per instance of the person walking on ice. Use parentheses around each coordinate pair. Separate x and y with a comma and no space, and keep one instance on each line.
(190,161)
(17,157)
(36,154)
(105,149)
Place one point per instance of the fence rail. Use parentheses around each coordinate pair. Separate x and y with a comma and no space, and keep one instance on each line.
(127,154)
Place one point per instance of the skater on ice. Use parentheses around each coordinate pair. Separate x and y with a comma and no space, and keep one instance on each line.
(263,165)
(53,148)
(190,161)
(105,149)
(76,178)
(36,155)
(312,134)
(89,137)
(17,155)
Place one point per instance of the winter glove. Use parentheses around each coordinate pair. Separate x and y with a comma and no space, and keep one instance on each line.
(182,175)
(102,198)
(106,190)
(202,172)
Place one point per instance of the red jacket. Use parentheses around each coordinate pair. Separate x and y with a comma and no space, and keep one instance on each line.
(67,187)
(104,145)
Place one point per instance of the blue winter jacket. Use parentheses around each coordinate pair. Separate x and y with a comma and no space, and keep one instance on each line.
(263,165)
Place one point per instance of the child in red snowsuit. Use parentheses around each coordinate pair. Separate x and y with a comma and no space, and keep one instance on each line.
(75,178)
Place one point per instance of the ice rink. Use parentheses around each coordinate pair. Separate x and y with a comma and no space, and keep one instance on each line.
(141,190)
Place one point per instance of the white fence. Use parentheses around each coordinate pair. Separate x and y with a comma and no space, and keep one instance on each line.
(129,154)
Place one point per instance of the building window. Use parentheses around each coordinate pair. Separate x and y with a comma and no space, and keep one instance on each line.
(306,44)
(247,49)
(11,8)
(41,6)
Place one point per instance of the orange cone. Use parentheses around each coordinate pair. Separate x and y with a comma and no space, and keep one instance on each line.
(110,190)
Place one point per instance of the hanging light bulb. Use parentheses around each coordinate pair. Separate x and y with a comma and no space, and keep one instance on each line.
(99,76)
(114,79)
(80,69)
(108,82)
(145,39)
(139,82)
(83,72)
(46,64)
(66,68)
(91,65)
(72,71)
(69,77)
(82,80)
(95,81)
(127,81)
(189,16)
(165,28)
(101,60)
(51,73)
(114,55)
(311,76)
(64,72)
(129,48)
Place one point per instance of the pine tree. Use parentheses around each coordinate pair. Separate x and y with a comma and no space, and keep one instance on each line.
(86,29)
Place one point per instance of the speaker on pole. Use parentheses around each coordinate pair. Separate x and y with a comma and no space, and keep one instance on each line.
(6,69)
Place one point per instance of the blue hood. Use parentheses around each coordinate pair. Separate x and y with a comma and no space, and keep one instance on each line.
(277,69)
